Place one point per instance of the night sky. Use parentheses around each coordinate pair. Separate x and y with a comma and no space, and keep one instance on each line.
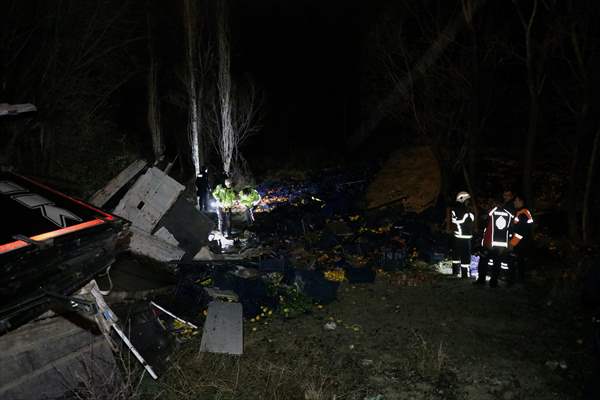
(306,57)
(323,69)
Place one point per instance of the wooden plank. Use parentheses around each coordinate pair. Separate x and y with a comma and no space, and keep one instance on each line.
(45,359)
(13,109)
(223,329)
(114,185)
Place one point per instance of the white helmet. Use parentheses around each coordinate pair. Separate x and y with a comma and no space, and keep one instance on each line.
(461,197)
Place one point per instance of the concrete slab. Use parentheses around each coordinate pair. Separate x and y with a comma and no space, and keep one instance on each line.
(164,234)
(149,199)
(144,244)
(223,329)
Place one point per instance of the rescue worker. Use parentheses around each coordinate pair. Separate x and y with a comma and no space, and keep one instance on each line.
(202,188)
(249,198)
(463,221)
(226,198)
(495,242)
(521,241)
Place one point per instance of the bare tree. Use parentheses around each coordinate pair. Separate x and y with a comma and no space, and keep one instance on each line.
(449,127)
(578,48)
(236,111)
(227,140)
(535,57)
(194,97)
(402,87)
(585,218)
(153,115)
(68,58)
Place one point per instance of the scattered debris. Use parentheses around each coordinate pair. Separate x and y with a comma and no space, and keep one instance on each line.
(144,244)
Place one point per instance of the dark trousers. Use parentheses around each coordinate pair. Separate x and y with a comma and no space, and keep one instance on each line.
(491,264)
(202,200)
(461,257)
(224,220)
(249,214)
(518,268)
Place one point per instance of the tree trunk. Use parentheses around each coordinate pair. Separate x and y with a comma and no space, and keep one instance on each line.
(588,189)
(529,150)
(228,140)
(471,172)
(153,116)
(189,16)
(534,83)
(573,193)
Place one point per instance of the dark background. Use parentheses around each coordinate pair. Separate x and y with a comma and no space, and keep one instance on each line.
(323,70)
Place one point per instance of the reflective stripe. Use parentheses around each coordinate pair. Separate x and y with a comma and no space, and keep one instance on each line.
(463,236)
(499,244)
(455,262)
(456,220)
(501,213)
(493,209)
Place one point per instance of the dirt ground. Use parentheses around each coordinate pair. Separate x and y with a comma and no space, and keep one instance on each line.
(442,339)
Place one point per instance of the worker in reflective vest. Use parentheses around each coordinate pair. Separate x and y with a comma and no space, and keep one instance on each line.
(521,241)
(226,198)
(249,198)
(495,241)
(462,221)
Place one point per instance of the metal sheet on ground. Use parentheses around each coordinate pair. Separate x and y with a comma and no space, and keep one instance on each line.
(223,329)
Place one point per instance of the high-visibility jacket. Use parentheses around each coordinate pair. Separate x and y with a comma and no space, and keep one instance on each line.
(521,227)
(498,229)
(225,196)
(463,221)
(249,199)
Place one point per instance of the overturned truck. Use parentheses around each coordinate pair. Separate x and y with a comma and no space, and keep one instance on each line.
(51,245)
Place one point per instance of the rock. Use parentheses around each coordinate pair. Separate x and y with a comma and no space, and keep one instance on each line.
(330,326)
